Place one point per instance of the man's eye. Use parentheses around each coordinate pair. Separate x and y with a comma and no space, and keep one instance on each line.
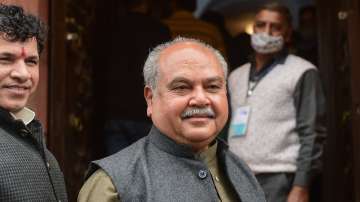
(183,87)
(32,62)
(214,87)
(6,60)
(277,28)
(259,24)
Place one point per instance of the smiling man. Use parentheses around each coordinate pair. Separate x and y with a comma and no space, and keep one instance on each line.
(181,159)
(28,171)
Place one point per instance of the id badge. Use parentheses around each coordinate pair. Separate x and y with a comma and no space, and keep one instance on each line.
(239,122)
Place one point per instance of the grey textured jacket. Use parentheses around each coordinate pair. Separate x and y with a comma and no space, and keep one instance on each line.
(155,168)
(28,171)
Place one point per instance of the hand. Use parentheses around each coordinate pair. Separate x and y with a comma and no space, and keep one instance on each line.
(298,194)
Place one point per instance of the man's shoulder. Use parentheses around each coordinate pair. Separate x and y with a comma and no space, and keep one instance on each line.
(126,155)
(293,60)
(239,70)
(121,165)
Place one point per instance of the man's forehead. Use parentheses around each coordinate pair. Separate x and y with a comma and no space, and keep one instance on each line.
(186,53)
(270,16)
(20,48)
(181,46)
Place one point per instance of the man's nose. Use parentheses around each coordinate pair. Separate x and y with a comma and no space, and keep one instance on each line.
(199,98)
(20,71)
(268,30)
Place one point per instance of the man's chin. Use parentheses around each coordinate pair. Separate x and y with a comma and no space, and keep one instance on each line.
(200,141)
(199,123)
(14,107)
(200,134)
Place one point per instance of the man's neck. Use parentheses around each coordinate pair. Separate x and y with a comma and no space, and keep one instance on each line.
(204,147)
(262,59)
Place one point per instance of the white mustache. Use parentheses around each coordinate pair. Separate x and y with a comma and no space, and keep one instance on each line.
(196,111)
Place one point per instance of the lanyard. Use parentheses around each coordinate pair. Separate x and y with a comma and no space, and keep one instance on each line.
(251,87)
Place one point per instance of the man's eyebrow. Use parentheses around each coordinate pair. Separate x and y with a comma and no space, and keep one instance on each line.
(266,21)
(33,57)
(215,79)
(7,54)
(186,80)
(179,80)
(12,55)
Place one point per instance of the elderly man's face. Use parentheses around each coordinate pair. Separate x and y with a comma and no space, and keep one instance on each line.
(189,104)
(272,23)
(19,73)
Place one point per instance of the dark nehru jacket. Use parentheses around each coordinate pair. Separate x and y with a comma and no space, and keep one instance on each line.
(28,171)
(156,168)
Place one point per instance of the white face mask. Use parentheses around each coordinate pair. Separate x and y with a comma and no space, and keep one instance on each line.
(264,43)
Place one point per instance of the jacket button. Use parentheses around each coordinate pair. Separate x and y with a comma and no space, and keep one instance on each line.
(48,165)
(202,174)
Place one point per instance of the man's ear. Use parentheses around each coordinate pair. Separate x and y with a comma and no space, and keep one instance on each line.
(148,94)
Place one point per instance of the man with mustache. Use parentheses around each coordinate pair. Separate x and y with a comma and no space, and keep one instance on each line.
(277,111)
(181,159)
(28,171)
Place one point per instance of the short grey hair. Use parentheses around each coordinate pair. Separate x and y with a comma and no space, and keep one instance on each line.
(278,7)
(151,66)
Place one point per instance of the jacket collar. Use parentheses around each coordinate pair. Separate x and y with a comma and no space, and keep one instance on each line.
(25,115)
(6,117)
(17,126)
(277,59)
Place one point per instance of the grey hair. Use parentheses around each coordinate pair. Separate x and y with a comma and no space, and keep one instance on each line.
(151,66)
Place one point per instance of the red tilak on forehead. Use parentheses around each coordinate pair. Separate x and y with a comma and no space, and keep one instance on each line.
(23,53)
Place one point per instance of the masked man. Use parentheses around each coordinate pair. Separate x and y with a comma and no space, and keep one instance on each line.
(277,111)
